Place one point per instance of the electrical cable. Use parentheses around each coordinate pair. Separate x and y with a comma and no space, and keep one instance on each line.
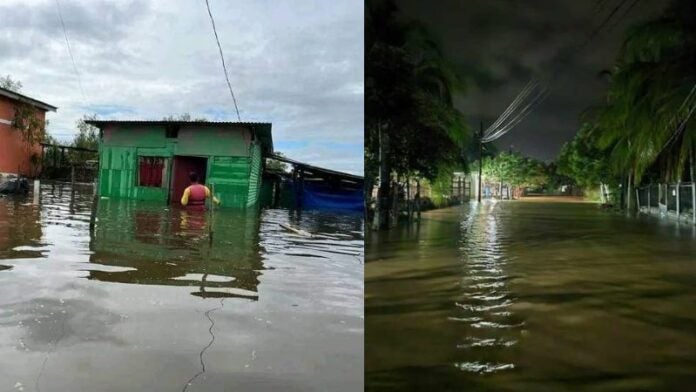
(72,58)
(222,58)
(495,132)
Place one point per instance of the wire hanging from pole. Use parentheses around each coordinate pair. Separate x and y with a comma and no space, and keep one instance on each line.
(72,58)
(497,129)
(222,58)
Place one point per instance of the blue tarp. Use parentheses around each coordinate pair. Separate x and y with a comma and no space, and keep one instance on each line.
(323,197)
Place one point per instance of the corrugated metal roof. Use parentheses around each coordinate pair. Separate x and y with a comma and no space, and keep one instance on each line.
(262,129)
(316,168)
(175,122)
(23,98)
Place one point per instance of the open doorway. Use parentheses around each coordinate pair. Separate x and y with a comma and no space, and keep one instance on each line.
(183,166)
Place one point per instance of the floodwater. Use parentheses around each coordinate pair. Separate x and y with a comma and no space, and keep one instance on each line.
(520,296)
(145,301)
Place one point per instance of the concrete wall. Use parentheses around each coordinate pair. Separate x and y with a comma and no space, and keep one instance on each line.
(15,153)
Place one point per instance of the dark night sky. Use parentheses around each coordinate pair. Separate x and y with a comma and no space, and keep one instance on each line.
(513,40)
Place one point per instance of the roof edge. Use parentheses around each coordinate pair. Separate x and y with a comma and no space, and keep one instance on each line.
(26,99)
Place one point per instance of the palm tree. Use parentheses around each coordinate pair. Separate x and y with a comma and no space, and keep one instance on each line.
(647,117)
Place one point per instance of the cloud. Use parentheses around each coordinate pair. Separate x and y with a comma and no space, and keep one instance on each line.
(512,41)
(296,64)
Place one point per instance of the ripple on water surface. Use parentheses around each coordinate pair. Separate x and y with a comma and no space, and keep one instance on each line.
(522,296)
(257,305)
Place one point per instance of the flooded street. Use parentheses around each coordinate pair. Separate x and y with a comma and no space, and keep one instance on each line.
(147,302)
(521,296)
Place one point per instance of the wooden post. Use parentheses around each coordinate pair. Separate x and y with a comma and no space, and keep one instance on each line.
(637,200)
(678,209)
(212,214)
(72,176)
(461,194)
(37,191)
(629,186)
(480,173)
(417,199)
(693,202)
(659,195)
(409,203)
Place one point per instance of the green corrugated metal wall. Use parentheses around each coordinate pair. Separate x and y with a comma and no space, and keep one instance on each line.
(235,178)
(254,174)
(229,178)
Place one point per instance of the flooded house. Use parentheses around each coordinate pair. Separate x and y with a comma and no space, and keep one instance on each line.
(16,151)
(152,160)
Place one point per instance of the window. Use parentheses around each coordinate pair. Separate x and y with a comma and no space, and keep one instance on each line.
(151,171)
(172,131)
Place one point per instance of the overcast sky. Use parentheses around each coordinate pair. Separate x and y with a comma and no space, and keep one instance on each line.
(514,40)
(297,64)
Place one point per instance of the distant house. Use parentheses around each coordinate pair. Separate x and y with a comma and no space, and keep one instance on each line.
(151,160)
(15,152)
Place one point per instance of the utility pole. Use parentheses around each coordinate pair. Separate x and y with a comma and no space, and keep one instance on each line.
(480,161)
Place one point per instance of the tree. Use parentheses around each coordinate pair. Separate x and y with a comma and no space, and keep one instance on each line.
(515,170)
(647,118)
(88,135)
(412,127)
(276,165)
(8,83)
(182,117)
(584,162)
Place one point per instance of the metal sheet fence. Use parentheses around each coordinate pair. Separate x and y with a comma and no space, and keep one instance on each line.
(669,200)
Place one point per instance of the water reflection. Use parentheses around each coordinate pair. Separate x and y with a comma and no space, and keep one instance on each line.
(259,306)
(483,307)
(531,297)
(20,228)
(145,243)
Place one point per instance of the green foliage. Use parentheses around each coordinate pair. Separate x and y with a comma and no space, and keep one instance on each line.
(645,119)
(26,120)
(441,187)
(514,169)
(8,83)
(88,135)
(409,90)
(584,162)
(276,166)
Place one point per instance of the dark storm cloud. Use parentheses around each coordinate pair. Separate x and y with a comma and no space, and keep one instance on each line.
(515,40)
(296,64)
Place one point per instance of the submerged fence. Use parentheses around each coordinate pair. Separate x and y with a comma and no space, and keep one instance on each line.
(675,201)
(66,163)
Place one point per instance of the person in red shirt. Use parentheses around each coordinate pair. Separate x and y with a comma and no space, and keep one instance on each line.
(196,194)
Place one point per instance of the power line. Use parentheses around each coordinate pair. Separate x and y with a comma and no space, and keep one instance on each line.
(513,105)
(72,58)
(682,125)
(626,11)
(222,58)
(536,100)
(498,130)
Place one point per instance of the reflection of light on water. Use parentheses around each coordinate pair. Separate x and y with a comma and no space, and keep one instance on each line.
(482,308)
(483,367)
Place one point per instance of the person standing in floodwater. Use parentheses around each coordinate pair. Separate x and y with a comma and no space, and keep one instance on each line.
(195,194)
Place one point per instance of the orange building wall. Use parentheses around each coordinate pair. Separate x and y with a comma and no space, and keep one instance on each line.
(15,154)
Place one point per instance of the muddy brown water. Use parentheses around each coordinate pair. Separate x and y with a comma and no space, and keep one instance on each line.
(146,302)
(520,296)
